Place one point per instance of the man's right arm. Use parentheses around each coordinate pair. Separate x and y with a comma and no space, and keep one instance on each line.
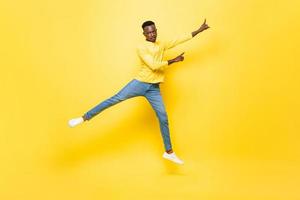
(154,64)
(177,59)
(150,61)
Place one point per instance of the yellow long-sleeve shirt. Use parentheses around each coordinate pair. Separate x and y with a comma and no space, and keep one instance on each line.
(151,61)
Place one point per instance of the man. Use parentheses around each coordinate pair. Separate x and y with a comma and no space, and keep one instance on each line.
(147,81)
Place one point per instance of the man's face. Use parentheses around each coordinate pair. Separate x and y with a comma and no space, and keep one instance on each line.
(150,33)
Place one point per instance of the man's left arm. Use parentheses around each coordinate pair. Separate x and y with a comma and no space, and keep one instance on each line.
(183,38)
(203,27)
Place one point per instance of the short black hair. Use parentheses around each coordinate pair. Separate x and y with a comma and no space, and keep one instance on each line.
(147,23)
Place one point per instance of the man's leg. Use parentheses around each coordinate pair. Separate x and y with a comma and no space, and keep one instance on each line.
(155,99)
(132,89)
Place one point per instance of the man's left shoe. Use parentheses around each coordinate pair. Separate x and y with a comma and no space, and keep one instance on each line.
(172,157)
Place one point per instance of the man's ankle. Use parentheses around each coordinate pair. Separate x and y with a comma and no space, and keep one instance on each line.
(169,151)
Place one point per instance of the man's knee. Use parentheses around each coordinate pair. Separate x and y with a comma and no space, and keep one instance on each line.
(163,117)
(120,97)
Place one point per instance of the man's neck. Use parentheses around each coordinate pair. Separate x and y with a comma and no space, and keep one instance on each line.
(151,41)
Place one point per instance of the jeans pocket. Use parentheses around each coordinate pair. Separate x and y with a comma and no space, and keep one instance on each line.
(156,85)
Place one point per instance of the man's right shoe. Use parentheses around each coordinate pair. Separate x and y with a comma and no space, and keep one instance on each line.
(172,157)
(75,121)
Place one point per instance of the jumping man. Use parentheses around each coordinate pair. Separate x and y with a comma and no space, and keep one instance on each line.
(146,82)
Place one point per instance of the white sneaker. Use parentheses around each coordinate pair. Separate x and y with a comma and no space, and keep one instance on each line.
(75,121)
(172,157)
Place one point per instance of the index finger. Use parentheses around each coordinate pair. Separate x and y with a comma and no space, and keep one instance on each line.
(181,54)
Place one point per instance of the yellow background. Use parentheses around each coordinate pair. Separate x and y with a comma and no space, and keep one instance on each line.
(233,104)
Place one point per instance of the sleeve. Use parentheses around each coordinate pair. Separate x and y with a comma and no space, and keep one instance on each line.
(149,60)
(178,40)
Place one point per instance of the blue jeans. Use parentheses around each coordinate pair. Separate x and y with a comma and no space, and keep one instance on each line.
(137,88)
